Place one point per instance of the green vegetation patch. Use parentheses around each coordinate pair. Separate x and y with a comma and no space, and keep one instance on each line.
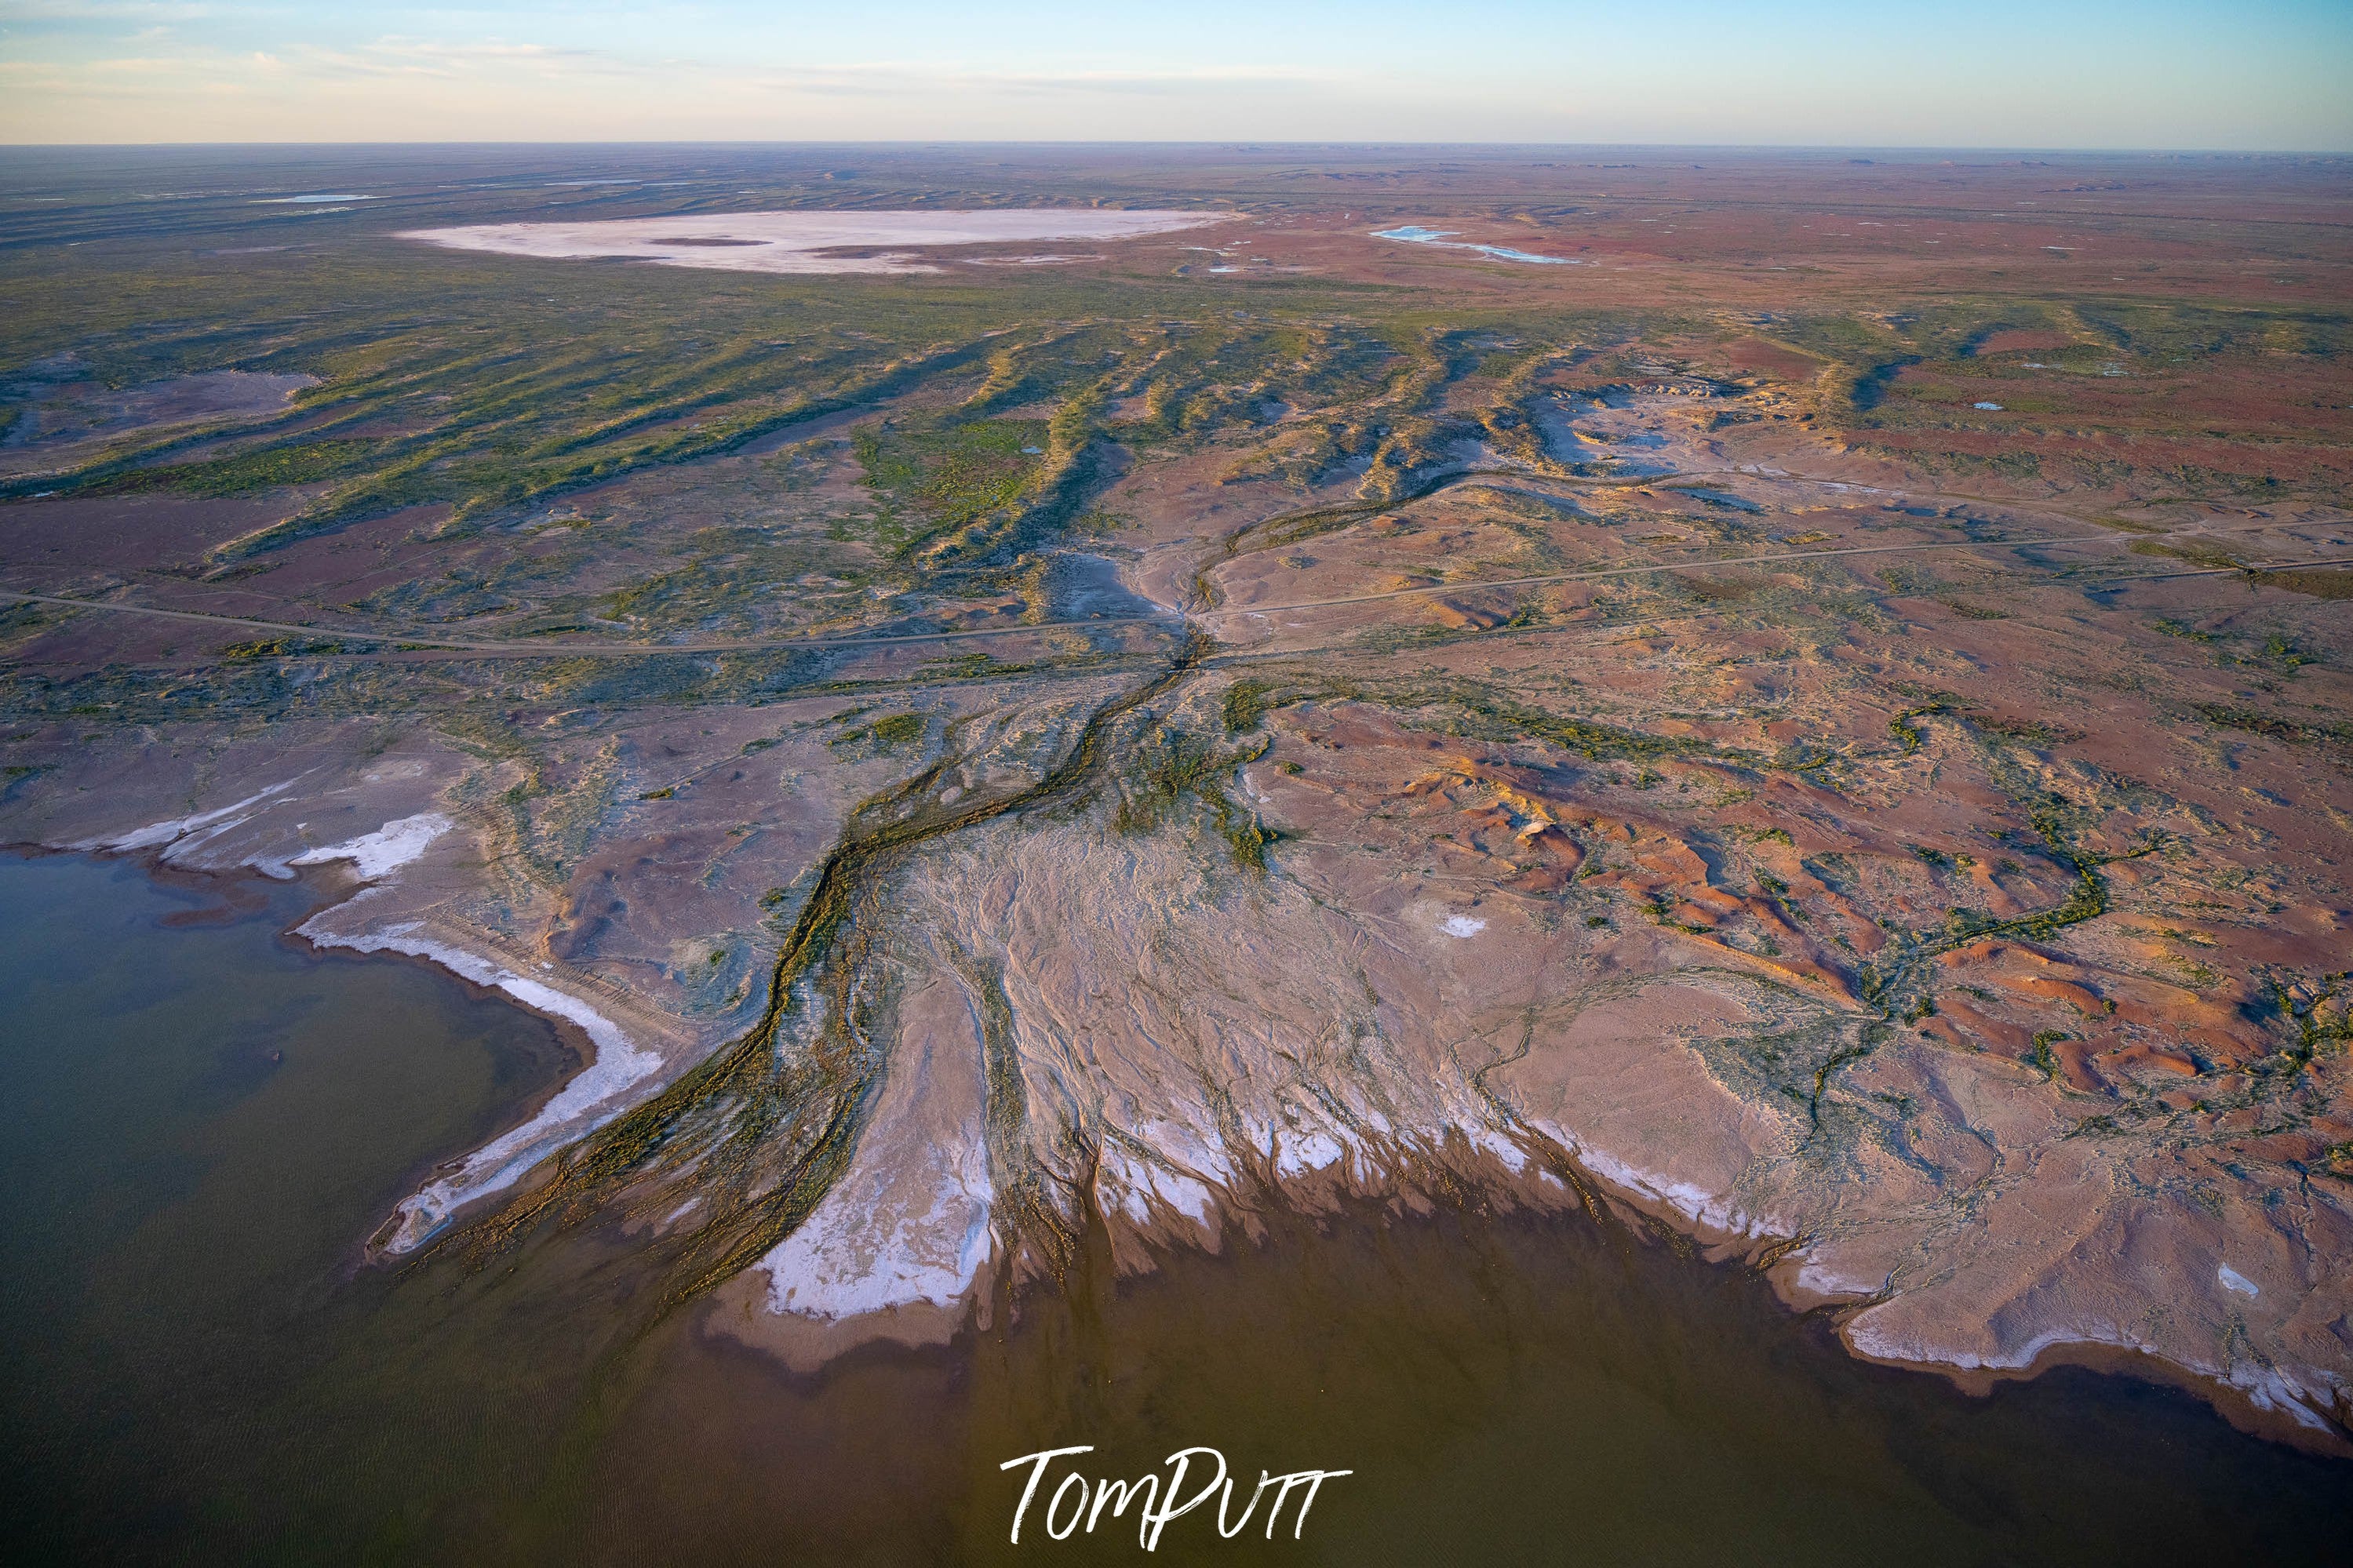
(2320,582)
(884,736)
(245,472)
(936,478)
(281,648)
(1169,767)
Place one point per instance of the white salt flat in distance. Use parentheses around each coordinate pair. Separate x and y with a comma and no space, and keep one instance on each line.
(799,242)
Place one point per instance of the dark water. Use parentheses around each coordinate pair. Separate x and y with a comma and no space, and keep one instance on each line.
(199,1122)
(201,1119)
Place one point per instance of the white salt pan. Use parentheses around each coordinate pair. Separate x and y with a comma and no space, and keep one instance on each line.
(179,828)
(805,241)
(389,847)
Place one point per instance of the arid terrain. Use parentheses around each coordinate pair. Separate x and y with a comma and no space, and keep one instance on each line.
(1808,702)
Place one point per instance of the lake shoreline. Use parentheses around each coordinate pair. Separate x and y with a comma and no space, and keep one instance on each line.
(1328,1326)
(805,1345)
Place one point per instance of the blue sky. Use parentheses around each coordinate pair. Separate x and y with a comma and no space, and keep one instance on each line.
(2259,74)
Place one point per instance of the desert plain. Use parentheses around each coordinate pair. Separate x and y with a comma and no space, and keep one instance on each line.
(1025,706)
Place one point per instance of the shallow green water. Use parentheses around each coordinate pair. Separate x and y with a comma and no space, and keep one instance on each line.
(201,1119)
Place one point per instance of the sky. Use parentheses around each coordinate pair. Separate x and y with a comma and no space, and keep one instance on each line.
(2253,75)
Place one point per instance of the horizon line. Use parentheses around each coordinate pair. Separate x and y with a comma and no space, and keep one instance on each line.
(1240,145)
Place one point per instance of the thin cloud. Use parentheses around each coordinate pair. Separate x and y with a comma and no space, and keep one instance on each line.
(884,79)
(142,64)
(102,11)
(476,51)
